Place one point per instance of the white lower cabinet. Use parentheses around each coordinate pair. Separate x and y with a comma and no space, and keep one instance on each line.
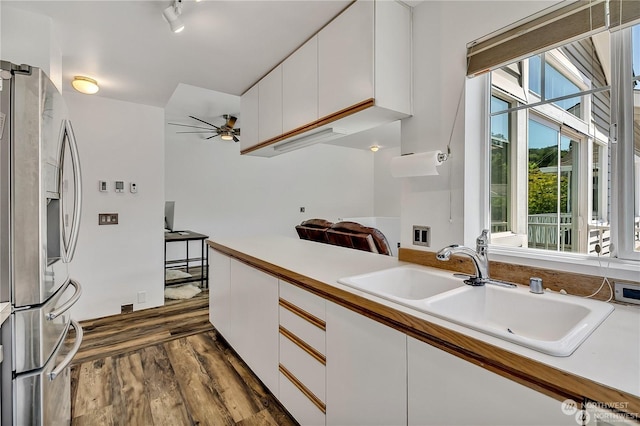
(447,390)
(220,292)
(253,321)
(366,371)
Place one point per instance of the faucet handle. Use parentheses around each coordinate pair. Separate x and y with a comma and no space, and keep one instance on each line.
(482,242)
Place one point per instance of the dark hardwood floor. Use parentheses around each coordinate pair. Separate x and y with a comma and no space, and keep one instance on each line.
(166,366)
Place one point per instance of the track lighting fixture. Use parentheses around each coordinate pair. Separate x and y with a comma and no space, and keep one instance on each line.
(172,15)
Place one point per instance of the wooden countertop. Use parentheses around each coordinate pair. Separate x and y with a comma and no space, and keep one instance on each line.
(605,368)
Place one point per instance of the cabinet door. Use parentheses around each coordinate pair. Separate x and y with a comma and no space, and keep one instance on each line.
(249,113)
(345,59)
(219,291)
(270,101)
(300,87)
(447,390)
(366,370)
(254,321)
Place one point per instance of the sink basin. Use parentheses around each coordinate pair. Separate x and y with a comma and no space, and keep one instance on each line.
(551,323)
(404,284)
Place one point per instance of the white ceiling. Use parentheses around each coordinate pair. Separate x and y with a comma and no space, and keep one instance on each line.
(226,45)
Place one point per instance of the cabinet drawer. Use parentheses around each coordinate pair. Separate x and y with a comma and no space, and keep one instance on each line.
(307,368)
(298,404)
(304,300)
(308,332)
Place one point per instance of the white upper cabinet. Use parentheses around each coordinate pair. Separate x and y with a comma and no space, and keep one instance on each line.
(345,64)
(249,113)
(355,74)
(270,105)
(300,87)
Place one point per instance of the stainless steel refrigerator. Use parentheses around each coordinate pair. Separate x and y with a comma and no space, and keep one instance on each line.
(40,198)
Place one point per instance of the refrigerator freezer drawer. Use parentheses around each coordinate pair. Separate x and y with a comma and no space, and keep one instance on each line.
(43,397)
(39,330)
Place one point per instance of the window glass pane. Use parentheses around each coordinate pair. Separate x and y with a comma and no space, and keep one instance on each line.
(534,74)
(543,187)
(557,85)
(635,31)
(500,167)
(569,194)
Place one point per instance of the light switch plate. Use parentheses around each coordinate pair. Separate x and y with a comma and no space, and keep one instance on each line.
(119,185)
(102,186)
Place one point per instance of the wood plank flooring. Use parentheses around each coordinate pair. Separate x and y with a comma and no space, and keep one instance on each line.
(182,375)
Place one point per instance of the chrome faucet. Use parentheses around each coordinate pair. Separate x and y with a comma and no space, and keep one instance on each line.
(479,258)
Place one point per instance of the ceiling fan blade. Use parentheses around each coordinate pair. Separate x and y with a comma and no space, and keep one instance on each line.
(235,139)
(199,131)
(189,125)
(213,125)
(231,121)
(212,136)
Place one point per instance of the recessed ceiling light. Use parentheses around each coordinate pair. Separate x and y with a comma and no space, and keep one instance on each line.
(374,148)
(85,85)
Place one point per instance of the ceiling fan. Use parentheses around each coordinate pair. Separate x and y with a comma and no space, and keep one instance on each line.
(226,131)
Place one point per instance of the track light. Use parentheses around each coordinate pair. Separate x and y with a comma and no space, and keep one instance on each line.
(172,15)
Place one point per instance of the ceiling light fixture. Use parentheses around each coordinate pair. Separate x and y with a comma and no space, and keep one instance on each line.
(172,15)
(226,136)
(85,85)
(374,148)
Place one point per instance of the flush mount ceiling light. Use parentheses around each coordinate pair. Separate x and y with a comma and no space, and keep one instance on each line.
(374,148)
(85,85)
(172,15)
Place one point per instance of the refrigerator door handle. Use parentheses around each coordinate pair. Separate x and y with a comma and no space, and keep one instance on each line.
(62,309)
(67,359)
(77,211)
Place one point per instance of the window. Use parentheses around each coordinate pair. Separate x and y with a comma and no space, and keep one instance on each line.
(556,127)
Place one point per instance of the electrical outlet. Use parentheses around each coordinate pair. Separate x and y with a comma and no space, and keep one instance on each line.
(302,209)
(142,296)
(126,309)
(107,218)
(422,236)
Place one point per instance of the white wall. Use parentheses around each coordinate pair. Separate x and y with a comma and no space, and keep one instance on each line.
(441,30)
(386,188)
(119,141)
(221,193)
(28,38)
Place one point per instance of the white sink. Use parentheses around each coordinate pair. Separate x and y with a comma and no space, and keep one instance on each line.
(551,323)
(404,284)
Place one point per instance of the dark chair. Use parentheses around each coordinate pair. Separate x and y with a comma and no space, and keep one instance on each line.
(357,236)
(314,230)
